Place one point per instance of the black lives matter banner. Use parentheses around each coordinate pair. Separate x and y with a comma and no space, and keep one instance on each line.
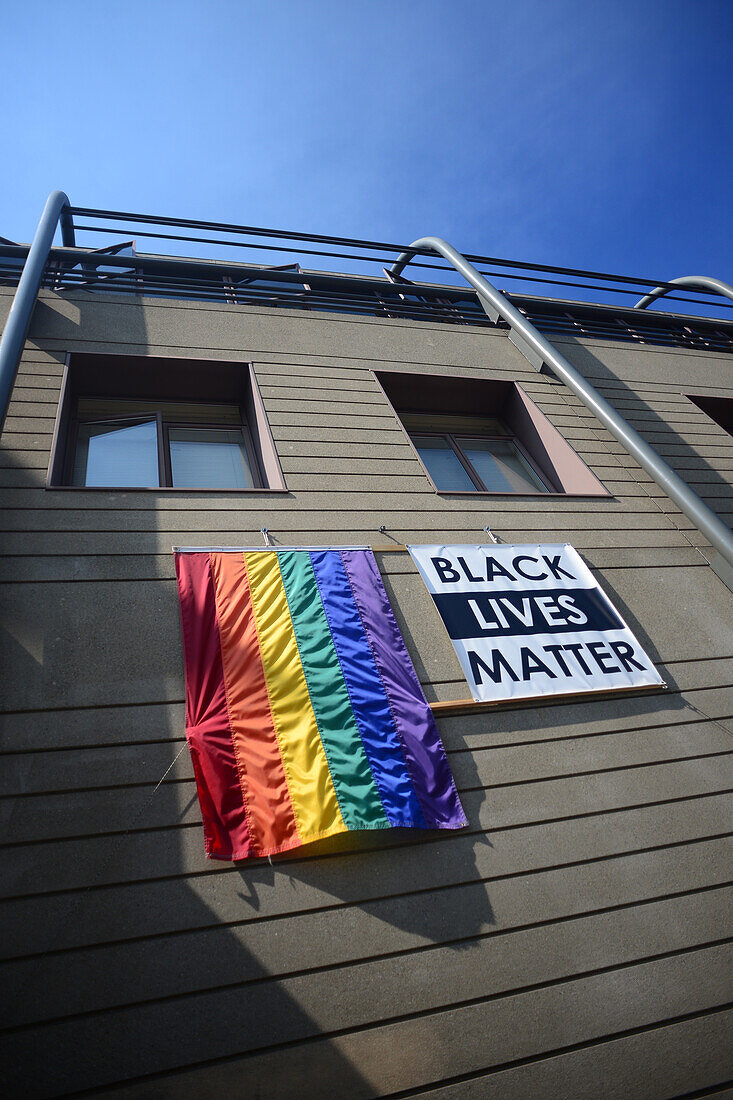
(531,620)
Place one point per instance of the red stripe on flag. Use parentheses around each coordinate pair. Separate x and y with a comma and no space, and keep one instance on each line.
(254,737)
(226,830)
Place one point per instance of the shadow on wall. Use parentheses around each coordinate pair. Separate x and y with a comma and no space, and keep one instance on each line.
(394,891)
(707,482)
(126,956)
(131,958)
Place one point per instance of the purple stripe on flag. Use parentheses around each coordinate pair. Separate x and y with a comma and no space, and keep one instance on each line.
(424,753)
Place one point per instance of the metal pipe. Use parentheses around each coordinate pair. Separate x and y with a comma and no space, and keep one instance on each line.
(26,294)
(702,282)
(539,350)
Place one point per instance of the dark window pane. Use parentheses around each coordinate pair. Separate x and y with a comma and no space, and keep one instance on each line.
(443,464)
(209,458)
(500,466)
(117,454)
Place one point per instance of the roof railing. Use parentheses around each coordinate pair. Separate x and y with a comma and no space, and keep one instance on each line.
(92,224)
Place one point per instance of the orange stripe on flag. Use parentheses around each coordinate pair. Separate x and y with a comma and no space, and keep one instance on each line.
(269,807)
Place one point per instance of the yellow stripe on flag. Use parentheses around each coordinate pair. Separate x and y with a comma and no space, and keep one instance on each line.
(312,793)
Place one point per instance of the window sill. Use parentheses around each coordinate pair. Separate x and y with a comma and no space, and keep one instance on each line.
(605,495)
(161,489)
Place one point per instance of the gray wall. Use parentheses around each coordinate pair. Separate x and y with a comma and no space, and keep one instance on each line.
(570,942)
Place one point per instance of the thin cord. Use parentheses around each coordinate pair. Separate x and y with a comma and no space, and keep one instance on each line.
(170,766)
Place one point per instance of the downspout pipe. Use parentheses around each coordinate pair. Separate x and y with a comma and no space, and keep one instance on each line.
(538,350)
(700,282)
(57,209)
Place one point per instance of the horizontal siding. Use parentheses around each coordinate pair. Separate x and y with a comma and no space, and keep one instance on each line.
(43,626)
(314,484)
(39,772)
(79,727)
(136,897)
(556,1014)
(576,944)
(55,568)
(324,530)
(314,505)
(56,817)
(570,941)
(692,1051)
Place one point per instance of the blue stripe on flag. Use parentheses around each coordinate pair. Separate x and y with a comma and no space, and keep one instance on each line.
(368,700)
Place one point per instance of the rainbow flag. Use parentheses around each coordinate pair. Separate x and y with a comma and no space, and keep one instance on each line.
(304,714)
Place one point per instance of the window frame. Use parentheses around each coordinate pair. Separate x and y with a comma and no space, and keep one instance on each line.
(72,442)
(508,437)
(253,423)
(163,426)
(243,426)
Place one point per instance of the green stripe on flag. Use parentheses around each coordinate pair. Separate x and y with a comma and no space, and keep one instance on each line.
(359,801)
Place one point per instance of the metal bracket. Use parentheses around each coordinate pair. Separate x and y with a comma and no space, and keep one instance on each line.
(723,569)
(527,351)
(519,342)
(532,356)
(490,310)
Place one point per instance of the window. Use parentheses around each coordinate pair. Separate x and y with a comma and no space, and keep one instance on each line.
(142,444)
(472,454)
(484,436)
(146,423)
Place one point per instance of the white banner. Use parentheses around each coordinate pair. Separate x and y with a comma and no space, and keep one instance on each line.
(531,620)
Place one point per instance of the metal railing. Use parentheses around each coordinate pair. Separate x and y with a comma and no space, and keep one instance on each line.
(289,286)
(255,246)
(288,245)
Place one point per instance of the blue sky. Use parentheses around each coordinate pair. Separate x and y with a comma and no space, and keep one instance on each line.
(573,132)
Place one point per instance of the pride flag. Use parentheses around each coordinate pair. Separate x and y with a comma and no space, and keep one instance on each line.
(304,714)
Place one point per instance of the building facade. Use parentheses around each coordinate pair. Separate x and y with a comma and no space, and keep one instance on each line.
(573,941)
